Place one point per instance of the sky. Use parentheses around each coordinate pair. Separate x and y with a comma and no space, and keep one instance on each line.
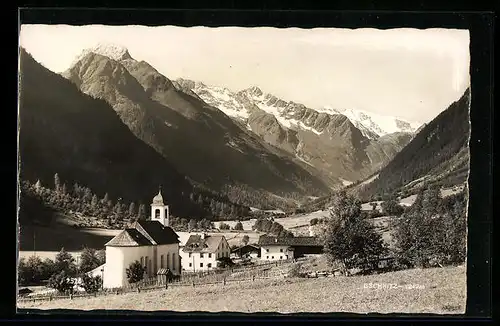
(407,73)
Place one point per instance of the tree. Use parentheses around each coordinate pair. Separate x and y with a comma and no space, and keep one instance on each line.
(94,202)
(224,226)
(62,282)
(392,207)
(433,230)
(91,284)
(141,214)
(57,183)
(374,205)
(192,225)
(348,238)
(238,226)
(89,260)
(245,239)
(30,271)
(131,209)
(65,262)
(135,272)
(38,185)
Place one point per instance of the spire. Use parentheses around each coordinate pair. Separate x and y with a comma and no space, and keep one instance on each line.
(158,199)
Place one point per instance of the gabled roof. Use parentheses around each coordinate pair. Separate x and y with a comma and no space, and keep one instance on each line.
(196,244)
(129,238)
(265,240)
(144,233)
(156,232)
(249,246)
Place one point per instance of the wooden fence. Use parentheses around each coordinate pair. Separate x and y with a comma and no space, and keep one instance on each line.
(229,275)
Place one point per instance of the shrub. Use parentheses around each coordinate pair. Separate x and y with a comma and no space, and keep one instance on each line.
(245,239)
(91,284)
(314,221)
(224,226)
(135,272)
(238,226)
(224,262)
(295,270)
(62,282)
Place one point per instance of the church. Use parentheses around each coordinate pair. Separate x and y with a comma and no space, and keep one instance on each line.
(153,243)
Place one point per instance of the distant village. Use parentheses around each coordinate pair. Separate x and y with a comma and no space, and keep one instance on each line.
(161,251)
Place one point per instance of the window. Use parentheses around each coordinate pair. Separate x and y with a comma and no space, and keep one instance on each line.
(272,257)
(142,261)
(173,261)
(209,265)
(201,255)
(190,265)
(189,255)
(281,257)
(281,250)
(157,213)
(168,257)
(286,256)
(267,257)
(201,264)
(209,256)
(267,250)
(161,261)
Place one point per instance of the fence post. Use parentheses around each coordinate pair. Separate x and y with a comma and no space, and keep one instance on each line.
(224,281)
(253,278)
(192,283)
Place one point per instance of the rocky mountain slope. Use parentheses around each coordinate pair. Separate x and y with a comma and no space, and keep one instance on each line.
(438,154)
(65,131)
(344,146)
(198,139)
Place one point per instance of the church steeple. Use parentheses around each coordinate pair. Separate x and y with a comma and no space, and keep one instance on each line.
(160,211)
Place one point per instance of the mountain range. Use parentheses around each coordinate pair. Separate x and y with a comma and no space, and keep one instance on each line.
(342,145)
(198,136)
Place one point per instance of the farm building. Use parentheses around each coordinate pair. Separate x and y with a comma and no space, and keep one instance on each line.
(249,250)
(153,243)
(201,251)
(274,248)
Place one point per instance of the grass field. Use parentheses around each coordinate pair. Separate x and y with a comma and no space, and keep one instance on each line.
(440,290)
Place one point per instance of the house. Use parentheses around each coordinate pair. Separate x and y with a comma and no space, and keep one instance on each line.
(247,251)
(153,243)
(201,251)
(274,248)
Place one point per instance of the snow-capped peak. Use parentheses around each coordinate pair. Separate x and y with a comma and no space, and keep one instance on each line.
(372,122)
(113,51)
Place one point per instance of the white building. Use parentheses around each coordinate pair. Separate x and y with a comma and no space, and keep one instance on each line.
(273,248)
(153,243)
(201,251)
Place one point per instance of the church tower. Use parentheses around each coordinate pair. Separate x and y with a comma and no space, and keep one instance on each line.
(159,211)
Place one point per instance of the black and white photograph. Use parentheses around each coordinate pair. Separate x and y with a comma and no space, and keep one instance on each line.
(243,169)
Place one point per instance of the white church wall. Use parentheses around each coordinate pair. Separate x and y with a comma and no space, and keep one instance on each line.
(113,274)
(171,259)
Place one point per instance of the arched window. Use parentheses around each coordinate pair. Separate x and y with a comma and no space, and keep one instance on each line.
(157,213)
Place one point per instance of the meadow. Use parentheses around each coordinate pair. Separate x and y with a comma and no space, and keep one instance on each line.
(433,290)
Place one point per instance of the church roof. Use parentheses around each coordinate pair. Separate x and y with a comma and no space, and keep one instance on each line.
(129,238)
(144,233)
(196,244)
(158,199)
